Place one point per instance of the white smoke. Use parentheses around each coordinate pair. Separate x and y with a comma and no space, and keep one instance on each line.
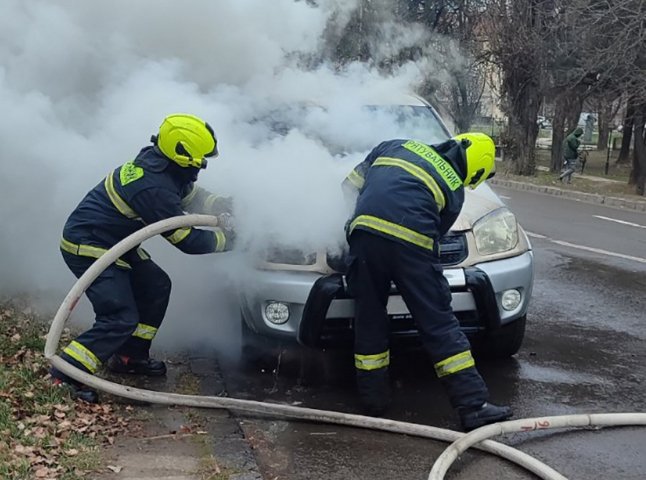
(83,85)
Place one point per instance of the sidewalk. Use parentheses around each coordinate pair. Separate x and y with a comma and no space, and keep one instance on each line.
(181,443)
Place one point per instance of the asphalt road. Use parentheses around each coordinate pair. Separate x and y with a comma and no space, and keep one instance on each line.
(583,353)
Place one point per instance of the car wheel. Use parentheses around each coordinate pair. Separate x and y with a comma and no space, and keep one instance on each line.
(503,342)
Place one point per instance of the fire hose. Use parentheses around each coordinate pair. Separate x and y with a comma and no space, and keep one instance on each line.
(461,442)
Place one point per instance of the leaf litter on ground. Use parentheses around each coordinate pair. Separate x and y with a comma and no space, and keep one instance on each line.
(44,434)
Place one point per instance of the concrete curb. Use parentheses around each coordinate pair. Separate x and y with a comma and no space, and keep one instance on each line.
(617,202)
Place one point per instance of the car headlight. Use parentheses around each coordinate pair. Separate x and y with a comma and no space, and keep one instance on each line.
(496,232)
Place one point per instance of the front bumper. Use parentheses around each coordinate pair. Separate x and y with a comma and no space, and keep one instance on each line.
(321,312)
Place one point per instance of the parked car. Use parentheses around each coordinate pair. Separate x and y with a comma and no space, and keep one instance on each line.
(543,122)
(301,296)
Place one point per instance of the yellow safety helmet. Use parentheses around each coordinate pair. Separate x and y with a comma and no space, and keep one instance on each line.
(480,154)
(186,140)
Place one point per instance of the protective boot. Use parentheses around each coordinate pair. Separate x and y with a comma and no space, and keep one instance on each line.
(137,366)
(487,413)
(77,390)
(374,391)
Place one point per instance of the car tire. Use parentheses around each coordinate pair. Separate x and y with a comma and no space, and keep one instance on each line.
(503,342)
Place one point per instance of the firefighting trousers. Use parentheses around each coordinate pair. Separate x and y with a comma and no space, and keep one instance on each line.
(129,306)
(375,262)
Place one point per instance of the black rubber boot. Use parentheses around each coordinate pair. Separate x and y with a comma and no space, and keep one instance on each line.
(486,414)
(77,390)
(374,391)
(137,366)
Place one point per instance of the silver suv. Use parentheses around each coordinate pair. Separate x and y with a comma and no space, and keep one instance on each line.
(301,296)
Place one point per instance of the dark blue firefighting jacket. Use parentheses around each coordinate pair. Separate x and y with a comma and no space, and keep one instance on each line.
(409,191)
(148,189)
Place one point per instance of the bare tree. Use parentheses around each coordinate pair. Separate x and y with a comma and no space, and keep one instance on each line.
(627,131)
(517,32)
(608,107)
(455,26)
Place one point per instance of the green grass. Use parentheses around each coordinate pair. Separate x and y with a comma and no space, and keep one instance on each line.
(595,164)
(594,179)
(492,130)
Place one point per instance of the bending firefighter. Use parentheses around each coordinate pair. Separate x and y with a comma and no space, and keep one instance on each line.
(409,195)
(130,297)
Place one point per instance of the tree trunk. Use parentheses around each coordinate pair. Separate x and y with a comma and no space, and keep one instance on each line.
(523,130)
(638,173)
(605,108)
(627,132)
(558,134)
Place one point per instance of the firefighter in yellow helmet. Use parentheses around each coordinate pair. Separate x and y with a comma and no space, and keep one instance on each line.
(130,297)
(409,195)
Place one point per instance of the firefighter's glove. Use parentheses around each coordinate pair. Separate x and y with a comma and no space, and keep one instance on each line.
(225,221)
(222,205)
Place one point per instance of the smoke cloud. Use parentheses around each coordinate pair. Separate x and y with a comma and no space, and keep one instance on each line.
(83,85)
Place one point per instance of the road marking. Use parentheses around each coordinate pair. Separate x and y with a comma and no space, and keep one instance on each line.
(623,222)
(504,197)
(587,249)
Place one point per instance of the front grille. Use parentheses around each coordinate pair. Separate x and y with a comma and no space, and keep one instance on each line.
(290,256)
(453,250)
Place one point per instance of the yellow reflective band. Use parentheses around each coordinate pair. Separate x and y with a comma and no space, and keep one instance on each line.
(209,202)
(186,201)
(356,179)
(82,355)
(88,251)
(442,167)
(220,240)
(144,331)
(118,202)
(179,235)
(454,364)
(398,231)
(417,172)
(143,254)
(372,362)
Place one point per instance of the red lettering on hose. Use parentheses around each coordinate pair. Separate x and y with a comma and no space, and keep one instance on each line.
(537,426)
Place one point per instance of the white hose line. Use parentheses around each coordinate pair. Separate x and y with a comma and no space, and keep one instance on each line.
(444,461)
(360,421)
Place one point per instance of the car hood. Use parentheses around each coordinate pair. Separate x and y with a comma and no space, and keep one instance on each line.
(477,204)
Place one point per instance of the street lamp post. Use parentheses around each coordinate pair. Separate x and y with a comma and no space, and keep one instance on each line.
(608,151)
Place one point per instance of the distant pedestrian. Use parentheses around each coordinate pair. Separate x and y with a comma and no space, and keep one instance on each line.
(571,146)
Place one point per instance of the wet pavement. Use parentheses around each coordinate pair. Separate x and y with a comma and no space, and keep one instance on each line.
(583,353)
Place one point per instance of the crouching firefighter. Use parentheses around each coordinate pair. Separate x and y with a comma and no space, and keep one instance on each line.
(130,297)
(409,195)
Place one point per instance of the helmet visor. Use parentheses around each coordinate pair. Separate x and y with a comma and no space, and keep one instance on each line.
(213,153)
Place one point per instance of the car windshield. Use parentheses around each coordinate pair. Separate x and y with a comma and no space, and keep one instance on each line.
(351,129)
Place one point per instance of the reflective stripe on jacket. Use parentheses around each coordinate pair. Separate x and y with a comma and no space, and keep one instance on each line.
(143,191)
(409,191)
